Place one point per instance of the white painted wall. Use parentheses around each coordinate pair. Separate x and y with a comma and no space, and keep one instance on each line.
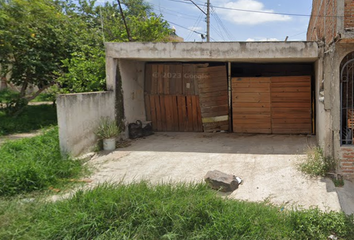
(78,116)
(132,74)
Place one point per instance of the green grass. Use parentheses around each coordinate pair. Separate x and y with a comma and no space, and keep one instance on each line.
(45,97)
(142,211)
(32,164)
(316,164)
(32,118)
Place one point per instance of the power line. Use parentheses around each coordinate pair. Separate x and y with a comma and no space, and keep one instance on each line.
(186,28)
(264,12)
(218,20)
(198,7)
(172,11)
(195,24)
(202,34)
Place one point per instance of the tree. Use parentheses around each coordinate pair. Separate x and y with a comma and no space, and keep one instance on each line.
(86,66)
(48,42)
(32,44)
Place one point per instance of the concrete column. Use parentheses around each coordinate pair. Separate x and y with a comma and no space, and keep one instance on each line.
(111,64)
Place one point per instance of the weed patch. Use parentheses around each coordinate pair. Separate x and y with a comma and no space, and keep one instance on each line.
(182,211)
(33,164)
(316,164)
(32,118)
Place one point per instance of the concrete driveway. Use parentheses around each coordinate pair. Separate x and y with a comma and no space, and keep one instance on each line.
(267,164)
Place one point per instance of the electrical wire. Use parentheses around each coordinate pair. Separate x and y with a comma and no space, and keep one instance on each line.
(264,12)
(172,11)
(218,20)
(195,25)
(189,29)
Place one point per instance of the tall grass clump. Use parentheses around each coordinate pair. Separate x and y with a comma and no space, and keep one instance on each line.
(316,164)
(32,118)
(182,211)
(33,164)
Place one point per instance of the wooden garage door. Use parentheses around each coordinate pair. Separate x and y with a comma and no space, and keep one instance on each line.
(291,104)
(272,105)
(251,105)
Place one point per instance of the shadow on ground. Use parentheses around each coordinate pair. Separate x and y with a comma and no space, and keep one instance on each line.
(225,143)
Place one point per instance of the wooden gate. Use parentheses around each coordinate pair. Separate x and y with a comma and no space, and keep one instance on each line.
(171,97)
(212,83)
(186,97)
(272,105)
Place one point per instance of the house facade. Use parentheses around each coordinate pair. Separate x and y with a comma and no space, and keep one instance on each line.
(332,26)
(237,87)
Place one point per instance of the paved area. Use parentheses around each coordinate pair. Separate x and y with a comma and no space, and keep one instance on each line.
(267,164)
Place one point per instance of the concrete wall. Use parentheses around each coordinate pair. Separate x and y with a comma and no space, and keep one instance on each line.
(132,74)
(78,116)
(215,51)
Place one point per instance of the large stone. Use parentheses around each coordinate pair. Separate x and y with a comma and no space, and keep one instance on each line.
(221,181)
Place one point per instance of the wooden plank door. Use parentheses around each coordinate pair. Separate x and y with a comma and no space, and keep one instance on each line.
(171,97)
(213,97)
(251,106)
(291,104)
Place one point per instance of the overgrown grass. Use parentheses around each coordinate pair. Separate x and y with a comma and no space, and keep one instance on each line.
(33,164)
(141,211)
(317,164)
(45,97)
(32,118)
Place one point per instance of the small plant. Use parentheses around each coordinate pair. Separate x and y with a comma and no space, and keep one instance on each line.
(107,129)
(316,164)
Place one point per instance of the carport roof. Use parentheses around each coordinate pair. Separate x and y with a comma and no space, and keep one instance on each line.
(215,51)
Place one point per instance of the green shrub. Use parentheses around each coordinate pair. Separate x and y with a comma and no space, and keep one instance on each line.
(34,164)
(316,164)
(7,97)
(182,211)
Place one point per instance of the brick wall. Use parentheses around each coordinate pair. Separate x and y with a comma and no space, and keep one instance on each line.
(349,14)
(323,24)
(347,162)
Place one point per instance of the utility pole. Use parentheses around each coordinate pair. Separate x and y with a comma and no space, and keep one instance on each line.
(208,20)
(207,14)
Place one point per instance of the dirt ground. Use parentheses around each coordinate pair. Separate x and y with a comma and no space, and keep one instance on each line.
(267,164)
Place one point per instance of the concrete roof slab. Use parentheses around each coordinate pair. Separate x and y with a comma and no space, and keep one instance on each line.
(215,51)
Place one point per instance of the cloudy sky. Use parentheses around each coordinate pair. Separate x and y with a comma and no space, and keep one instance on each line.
(237,20)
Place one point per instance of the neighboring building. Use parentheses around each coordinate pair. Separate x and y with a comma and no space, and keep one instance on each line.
(241,87)
(332,26)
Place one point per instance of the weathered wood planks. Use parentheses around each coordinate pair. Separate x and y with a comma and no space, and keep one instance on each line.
(213,96)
